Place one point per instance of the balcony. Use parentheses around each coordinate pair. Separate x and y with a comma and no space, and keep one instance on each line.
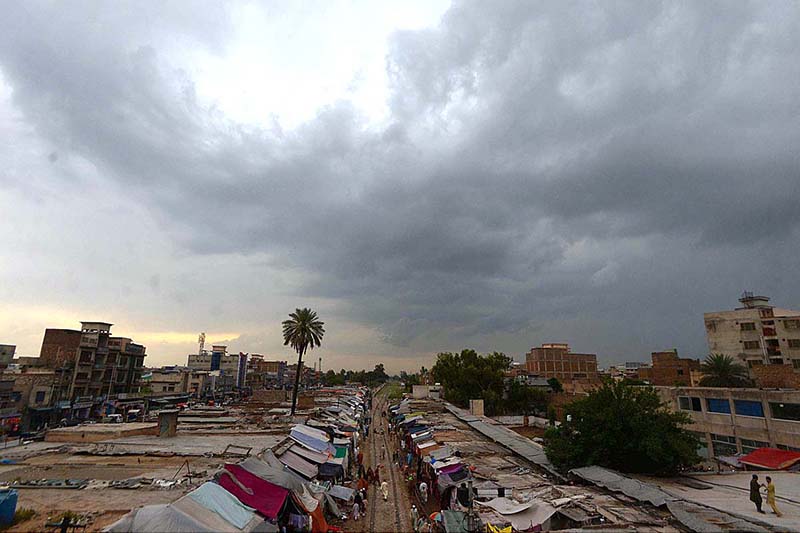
(773,352)
(769,332)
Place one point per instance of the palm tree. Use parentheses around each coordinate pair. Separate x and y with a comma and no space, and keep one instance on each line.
(303,331)
(723,371)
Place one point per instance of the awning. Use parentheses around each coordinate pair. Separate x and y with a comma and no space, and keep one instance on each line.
(771,458)
(251,490)
(330,470)
(299,465)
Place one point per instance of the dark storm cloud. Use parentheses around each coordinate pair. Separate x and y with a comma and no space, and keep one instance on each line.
(602,165)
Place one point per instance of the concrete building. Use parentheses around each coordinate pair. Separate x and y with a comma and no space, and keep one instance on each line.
(263,374)
(91,364)
(670,370)
(738,421)
(555,360)
(218,360)
(757,333)
(177,380)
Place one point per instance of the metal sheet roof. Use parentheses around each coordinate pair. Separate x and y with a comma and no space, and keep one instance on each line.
(299,465)
(638,490)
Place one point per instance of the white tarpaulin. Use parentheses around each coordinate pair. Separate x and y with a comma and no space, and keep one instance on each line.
(523,516)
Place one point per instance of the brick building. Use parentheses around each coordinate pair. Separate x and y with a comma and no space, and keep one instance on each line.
(90,364)
(669,370)
(555,360)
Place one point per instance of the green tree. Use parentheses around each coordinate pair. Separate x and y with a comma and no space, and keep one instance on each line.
(525,400)
(302,331)
(555,385)
(624,428)
(721,370)
(467,376)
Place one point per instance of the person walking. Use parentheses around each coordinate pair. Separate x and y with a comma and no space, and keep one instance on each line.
(755,494)
(356,511)
(385,490)
(378,474)
(771,497)
(423,492)
(414,517)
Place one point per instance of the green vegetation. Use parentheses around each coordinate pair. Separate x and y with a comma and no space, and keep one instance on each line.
(521,399)
(723,371)
(555,385)
(394,391)
(23,514)
(468,376)
(302,331)
(369,378)
(622,427)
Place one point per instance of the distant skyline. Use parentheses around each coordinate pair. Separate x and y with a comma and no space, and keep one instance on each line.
(428,176)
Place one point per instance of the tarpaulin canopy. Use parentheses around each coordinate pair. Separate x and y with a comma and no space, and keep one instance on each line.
(341,492)
(299,465)
(442,453)
(450,469)
(771,458)
(309,455)
(312,443)
(277,475)
(312,432)
(213,520)
(331,470)
(215,498)
(341,452)
(438,465)
(523,516)
(265,497)
(456,522)
(157,519)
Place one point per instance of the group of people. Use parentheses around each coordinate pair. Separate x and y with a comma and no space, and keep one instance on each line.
(755,494)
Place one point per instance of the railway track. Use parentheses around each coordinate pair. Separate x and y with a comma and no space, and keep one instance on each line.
(379,400)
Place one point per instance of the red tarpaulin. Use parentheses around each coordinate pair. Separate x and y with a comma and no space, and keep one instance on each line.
(263,496)
(771,458)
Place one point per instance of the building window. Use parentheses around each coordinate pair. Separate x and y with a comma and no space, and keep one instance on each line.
(752,445)
(718,405)
(689,403)
(796,363)
(16,396)
(791,324)
(787,447)
(754,362)
(793,343)
(723,445)
(785,411)
(747,326)
(711,326)
(40,396)
(752,345)
(749,408)
(766,313)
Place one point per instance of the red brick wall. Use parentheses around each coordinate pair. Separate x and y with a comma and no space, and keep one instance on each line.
(776,377)
(59,345)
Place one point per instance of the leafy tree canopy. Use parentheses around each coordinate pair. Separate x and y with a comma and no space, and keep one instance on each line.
(625,428)
(469,376)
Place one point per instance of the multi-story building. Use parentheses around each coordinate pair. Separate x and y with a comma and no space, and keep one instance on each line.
(263,374)
(176,380)
(757,333)
(555,360)
(218,360)
(91,364)
(738,421)
(670,370)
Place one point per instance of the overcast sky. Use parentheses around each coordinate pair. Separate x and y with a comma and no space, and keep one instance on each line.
(427,176)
